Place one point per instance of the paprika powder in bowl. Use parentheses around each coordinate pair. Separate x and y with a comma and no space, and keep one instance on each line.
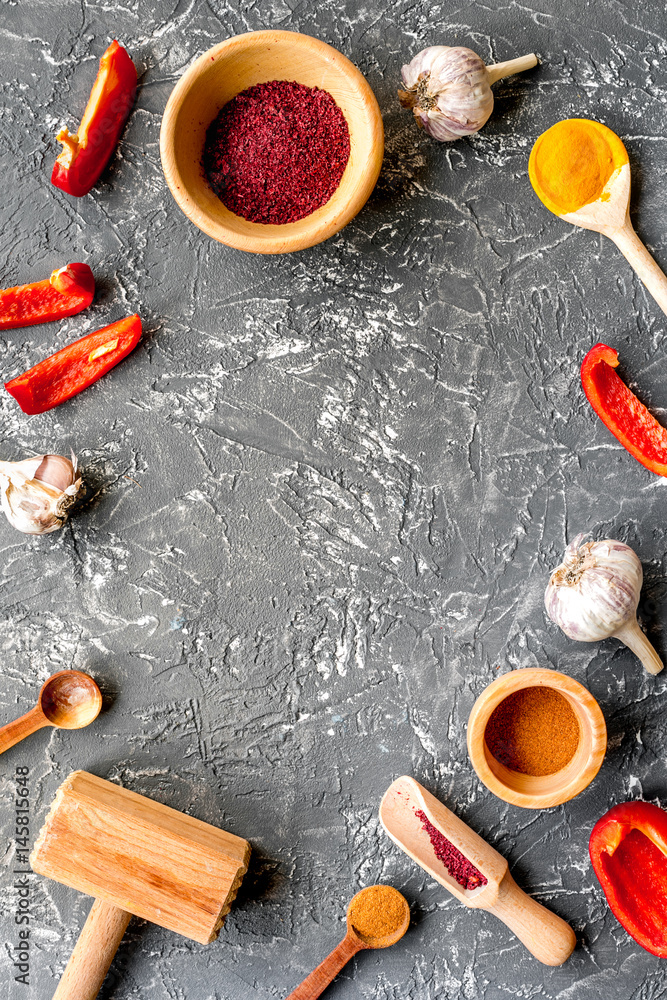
(229,69)
(536,738)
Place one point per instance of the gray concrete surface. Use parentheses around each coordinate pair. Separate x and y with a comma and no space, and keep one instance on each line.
(326,492)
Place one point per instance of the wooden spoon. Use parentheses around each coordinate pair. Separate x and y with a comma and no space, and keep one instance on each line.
(354,941)
(544,934)
(610,215)
(68,699)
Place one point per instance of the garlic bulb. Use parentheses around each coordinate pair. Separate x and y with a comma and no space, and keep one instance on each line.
(594,594)
(449,89)
(37,493)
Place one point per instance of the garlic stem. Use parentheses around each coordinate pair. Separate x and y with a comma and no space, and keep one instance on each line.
(633,637)
(510,67)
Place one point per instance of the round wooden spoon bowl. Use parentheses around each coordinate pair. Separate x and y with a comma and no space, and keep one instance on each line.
(609,212)
(222,73)
(70,699)
(548,790)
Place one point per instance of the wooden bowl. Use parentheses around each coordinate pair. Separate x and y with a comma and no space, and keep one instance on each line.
(551,789)
(224,71)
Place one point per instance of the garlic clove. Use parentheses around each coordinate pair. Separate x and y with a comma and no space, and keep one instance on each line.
(595,589)
(36,494)
(448,89)
(594,595)
(56,471)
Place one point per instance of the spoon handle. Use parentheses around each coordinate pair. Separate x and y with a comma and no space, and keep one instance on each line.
(637,255)
(544,934)
(315,984)
(16,731)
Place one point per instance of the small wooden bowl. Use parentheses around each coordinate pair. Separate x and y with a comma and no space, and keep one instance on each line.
(224,71)
(551,789)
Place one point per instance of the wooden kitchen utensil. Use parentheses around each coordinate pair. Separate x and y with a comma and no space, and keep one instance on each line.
(68,699)
(544,934)
(379,898)
(609,213)
(226,70)
(547,790)
(135,856)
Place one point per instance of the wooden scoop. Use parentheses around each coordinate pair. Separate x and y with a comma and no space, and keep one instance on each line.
(68,699)
(381,897)
(544,934)
(609,214)
(138,857)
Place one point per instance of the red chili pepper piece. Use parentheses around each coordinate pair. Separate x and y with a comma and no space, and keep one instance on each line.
(621,411)
(86,154)
(77,366)
(628,848)
(69,290)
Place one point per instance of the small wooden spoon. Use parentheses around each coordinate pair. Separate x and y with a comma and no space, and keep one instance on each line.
(69,699)
(610,215)
(544,934)
(354,941)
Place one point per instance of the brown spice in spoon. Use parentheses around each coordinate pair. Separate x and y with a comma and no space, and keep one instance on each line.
(376,912)
(533,731)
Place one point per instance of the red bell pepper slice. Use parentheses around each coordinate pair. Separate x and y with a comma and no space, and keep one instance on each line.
(86,154)
(628,848)
(77,366)
(627,419)
(69,290)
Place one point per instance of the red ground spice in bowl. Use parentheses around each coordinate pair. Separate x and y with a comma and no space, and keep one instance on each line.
(277,152)
(243,63)
(240,64)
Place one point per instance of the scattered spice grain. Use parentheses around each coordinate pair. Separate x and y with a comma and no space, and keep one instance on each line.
(458,866)
(277,152)
(377,912)
(533,731)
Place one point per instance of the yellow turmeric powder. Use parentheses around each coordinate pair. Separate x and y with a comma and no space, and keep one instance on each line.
(572,162)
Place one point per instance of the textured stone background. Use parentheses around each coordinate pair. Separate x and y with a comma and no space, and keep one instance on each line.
(326,492)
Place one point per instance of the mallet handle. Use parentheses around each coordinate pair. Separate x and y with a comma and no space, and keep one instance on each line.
(93,952)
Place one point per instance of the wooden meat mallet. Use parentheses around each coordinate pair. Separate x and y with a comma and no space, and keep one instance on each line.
(136,857)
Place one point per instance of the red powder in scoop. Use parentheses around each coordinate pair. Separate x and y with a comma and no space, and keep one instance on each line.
(277,151)
(456,864)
